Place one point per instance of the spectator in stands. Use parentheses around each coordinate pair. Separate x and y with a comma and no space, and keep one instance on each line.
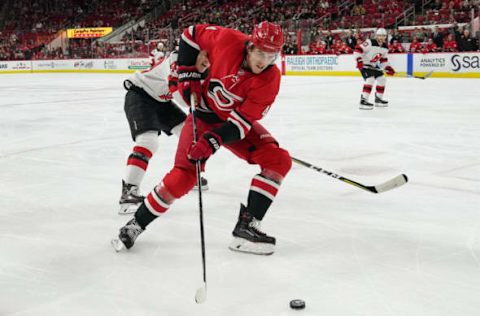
(429,47)
(359,37)
(457,31)
(395,37)
(335,48)
(415,46)
(350,40)
(312,47)
(358,9)
(467,43)
(290,48)
(420,34)
(343,48)
(450,45)
(437,5)
(396,47)
(437,37)
(329,40)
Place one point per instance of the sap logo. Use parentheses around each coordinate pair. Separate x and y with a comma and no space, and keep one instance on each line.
(466,62)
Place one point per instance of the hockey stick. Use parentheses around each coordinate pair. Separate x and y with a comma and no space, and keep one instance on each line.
(201,294)
(427,75)
(386,186)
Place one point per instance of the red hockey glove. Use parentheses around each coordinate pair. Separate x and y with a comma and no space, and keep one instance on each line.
(359,63)
(189,82)
(389,70)
(206,146)
(172,83)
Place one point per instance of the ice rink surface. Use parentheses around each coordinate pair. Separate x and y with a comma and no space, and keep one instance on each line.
(412,251)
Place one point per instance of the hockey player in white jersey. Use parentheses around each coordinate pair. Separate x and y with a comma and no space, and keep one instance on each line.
(372,61)
(150,110)
(158,54)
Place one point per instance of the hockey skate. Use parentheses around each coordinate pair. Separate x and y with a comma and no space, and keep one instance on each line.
(130,199)
(379,102)
(204,184)
(364,104)
(127,236)
(247,236)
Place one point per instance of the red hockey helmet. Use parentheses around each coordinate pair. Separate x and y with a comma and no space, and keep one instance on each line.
(268,37)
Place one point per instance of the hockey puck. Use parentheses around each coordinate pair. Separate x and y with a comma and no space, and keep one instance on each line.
(297,304)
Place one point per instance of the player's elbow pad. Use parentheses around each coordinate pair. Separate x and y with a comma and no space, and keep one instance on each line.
(187,55)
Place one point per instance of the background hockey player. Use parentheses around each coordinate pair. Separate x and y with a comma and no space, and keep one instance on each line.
(158,54)
(372,61)
(238,89)
(149,110)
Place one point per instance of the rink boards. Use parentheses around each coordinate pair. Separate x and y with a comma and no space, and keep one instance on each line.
(449,65)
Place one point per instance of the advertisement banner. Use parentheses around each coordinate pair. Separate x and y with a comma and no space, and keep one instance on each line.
(138,64)
(452,65)
(448,64)
(123,65)
(333,65)
(89,32)
(15,66)
(312,63)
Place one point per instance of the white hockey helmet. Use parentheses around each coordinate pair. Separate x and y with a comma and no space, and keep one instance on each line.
(381,32)
(160,45)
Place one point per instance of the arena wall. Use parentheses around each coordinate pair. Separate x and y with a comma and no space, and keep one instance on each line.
(449,65)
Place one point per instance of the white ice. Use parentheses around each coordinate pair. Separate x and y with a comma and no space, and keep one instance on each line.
(411,251)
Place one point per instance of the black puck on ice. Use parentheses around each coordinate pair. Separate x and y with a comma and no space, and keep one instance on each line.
(297,304)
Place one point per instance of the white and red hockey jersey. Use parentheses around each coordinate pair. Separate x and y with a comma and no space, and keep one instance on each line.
(155,80)
(372,54)
(156,56)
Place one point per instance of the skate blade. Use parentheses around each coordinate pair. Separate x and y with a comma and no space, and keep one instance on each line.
(126,209)
(245,246)
(204,188)
(117,244)
(381,105)
(366,107)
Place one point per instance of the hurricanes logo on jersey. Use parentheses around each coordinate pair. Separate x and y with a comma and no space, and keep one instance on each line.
(223,98)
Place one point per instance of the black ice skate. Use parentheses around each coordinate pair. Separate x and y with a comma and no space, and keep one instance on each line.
(379,102)
(127,236)
(364,104)
(204,184)
(247,236)
(130,199)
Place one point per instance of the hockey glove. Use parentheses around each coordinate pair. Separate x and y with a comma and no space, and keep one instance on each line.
(389,70)
(359,63)
(189,82)
(206,146)
(172,83)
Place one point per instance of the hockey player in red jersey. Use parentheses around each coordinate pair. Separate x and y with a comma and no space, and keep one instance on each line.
(372,61)
(236,91)
(150,111)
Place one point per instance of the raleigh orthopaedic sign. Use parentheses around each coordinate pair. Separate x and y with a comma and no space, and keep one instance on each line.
(89,32)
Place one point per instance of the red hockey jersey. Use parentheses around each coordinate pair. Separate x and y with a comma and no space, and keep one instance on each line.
(234,94)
